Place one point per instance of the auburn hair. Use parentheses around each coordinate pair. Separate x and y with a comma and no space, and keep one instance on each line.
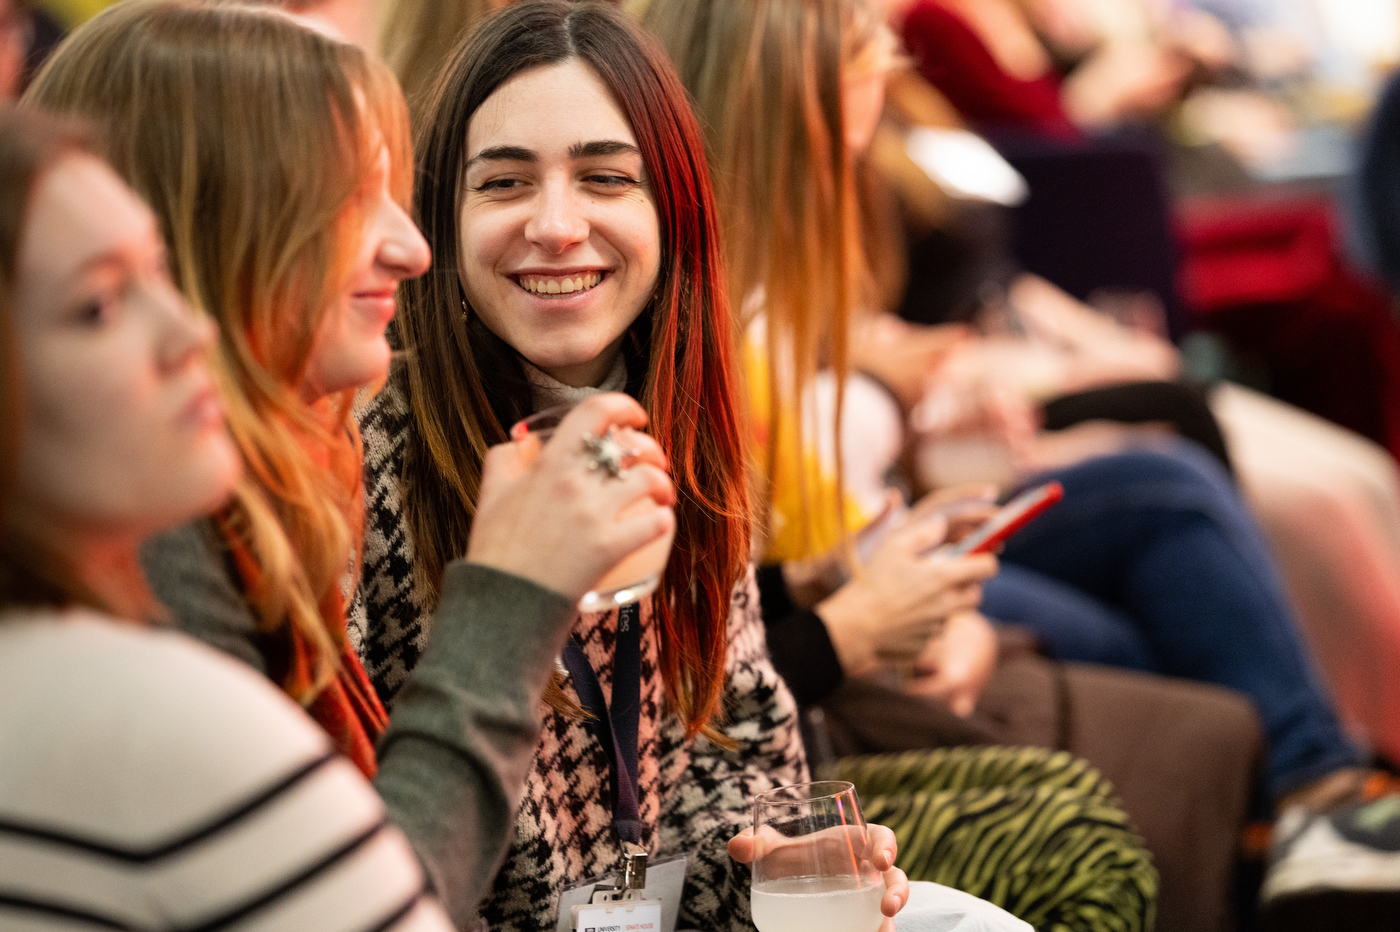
(465,386)
(252,138)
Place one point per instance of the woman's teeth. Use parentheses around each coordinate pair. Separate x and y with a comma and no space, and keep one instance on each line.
(539,284)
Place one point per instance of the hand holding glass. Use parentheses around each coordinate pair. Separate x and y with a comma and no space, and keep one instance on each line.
(639,573)
(813,868)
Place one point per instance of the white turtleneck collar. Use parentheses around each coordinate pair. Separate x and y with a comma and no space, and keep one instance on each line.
(549,391)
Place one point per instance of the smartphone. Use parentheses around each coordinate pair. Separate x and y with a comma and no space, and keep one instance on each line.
(873,534)
(1009,519)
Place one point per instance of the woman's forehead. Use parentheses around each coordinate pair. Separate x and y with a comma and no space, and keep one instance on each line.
(549,110)
(82,213)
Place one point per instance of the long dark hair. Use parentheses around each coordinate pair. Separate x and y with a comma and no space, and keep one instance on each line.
(465,386)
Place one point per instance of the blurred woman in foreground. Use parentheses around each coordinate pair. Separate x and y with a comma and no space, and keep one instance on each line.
(136,764)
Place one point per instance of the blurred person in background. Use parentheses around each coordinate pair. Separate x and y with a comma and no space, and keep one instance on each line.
(1073,380)
(16,28)
(418,35)
(989,58)
(891,608)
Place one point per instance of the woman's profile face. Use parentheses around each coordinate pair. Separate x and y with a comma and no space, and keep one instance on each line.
(559,240)
(350,348)
(122,431)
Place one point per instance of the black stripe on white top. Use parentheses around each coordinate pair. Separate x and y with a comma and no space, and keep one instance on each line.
(148,783)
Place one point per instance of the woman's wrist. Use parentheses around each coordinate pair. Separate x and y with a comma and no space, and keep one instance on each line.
(810,581)
(845,613)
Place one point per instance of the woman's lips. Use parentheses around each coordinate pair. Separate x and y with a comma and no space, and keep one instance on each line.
(378,304)
(203,410)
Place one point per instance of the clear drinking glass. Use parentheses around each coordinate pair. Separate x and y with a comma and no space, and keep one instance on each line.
(812,868)
(640,571)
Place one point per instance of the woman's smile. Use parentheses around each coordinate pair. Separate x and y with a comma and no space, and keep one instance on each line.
(377,305)
(559,285)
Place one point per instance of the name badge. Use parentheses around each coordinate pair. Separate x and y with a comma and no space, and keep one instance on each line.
(665,882)
(622,916)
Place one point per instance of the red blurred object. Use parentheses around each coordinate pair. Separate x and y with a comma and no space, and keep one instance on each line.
(953,58)
(1270,278)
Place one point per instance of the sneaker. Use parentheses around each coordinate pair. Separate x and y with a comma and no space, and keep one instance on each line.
(1335,870)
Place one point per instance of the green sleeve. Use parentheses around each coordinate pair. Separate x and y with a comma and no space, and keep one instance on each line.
(461,740)
(189,573)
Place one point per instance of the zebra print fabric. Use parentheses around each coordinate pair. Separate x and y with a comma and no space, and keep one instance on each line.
(1039,833)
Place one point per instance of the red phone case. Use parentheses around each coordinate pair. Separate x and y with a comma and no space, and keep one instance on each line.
(1015,515)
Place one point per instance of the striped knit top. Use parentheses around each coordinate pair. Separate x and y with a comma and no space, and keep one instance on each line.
(147,782)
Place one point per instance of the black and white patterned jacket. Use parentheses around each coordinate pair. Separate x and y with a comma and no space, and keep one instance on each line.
(693,795)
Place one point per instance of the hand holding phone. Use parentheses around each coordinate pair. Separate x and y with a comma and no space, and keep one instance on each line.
(1013,516)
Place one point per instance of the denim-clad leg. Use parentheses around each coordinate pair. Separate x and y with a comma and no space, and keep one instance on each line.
(1070,624)
(1163,541)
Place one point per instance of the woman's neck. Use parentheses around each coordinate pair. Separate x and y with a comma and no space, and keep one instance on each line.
(549,391)
(110,569)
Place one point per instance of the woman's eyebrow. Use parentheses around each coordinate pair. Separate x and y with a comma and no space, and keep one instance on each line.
(584,150)
(113,259)
(579,150)
(503,154)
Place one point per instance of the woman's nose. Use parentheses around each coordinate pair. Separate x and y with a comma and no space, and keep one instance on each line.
(185,334)
(557,221)
(402,248)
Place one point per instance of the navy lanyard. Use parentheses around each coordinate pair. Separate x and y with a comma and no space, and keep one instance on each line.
(616,728)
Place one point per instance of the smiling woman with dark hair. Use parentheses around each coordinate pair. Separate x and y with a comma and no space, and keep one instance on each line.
(563,188)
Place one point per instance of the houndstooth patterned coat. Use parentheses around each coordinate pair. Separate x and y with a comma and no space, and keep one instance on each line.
(693,795)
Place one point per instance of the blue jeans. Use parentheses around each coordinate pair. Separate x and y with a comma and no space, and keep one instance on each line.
(1151,562)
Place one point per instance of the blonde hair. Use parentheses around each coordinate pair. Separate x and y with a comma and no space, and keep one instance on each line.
(766,78)
(251,137)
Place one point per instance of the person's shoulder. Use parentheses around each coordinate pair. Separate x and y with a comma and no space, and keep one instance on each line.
(192,573)
(194,549)
(385,420)
(745,628)
(383,416)
(136,730)
(153,782)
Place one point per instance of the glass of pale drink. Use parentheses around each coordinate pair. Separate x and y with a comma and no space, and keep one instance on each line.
(640,571)
(812,867)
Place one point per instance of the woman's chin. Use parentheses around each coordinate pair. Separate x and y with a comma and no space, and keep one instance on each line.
(578,367)
(210,480)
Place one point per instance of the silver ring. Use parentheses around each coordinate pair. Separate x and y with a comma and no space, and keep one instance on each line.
(606,453)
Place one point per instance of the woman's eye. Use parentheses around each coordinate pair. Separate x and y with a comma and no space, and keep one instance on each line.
(497,185)
(620,182)
(95,312)
(101,309)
